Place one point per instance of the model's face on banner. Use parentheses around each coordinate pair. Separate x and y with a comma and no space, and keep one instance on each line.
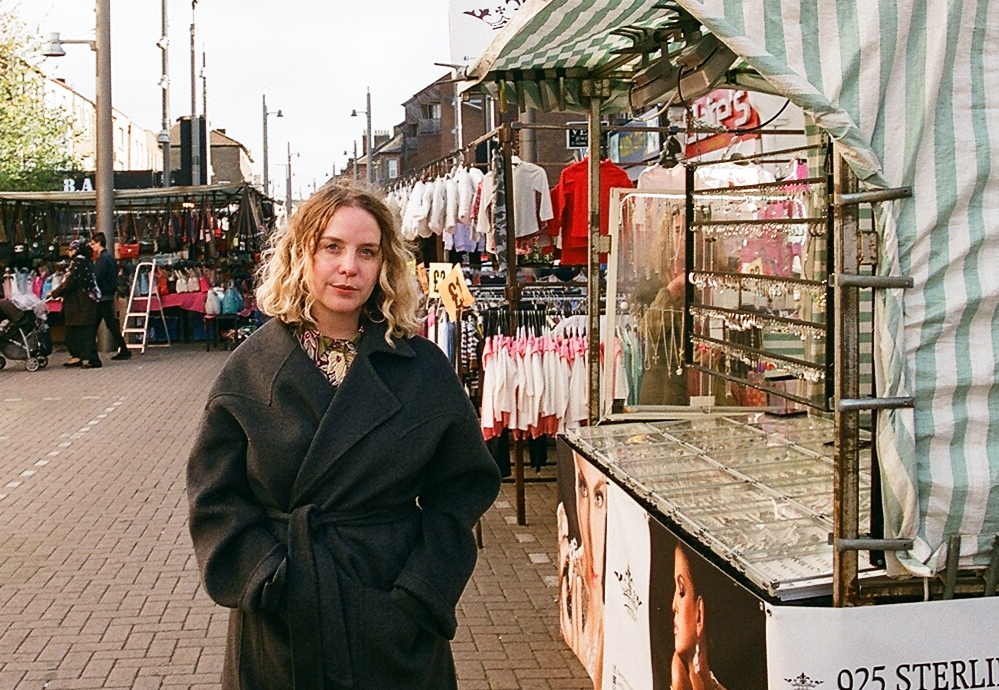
(684,606)
(591,502)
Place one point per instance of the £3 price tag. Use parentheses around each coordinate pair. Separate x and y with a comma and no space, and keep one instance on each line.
(436,273)
(455,293)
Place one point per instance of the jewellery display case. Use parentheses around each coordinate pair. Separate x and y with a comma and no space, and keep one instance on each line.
(757,291)
(753,489)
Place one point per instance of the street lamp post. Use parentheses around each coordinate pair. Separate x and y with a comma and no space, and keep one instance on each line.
(371,142)
(164,136)
(278,113)
(195,125)
(105,126)
(287,184)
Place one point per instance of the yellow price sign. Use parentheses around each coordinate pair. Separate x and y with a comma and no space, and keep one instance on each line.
(436,274)
(455,293)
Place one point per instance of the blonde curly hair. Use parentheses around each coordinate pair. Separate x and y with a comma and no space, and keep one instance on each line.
(285,273)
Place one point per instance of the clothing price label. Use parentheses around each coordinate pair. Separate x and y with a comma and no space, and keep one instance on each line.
(455,293)
(436,274)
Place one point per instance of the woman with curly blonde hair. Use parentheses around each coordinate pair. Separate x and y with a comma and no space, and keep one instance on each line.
(287,271)
(332,496)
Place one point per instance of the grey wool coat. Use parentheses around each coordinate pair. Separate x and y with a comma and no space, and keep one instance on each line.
(337,523)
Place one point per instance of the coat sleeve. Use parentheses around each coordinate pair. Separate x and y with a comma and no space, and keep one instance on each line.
(462,482)
(236,553)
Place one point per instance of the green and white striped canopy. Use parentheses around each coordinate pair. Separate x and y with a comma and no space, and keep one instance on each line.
(909,90)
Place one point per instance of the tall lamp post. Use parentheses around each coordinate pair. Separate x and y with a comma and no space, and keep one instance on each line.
(267,190)
(371,142)
(287,184)
(105,131)
(195,125)
(164,137)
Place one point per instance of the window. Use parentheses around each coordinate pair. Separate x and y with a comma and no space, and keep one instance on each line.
(431,111)
(393,168)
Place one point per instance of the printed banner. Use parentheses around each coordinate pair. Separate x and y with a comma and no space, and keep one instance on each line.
(627,645)
(475,23)
(934,645)
(638,606)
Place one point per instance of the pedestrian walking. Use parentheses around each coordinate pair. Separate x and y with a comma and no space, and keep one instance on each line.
(79,293)
(339,469)
(106,272)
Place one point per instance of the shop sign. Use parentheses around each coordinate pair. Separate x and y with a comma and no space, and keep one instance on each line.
(723,108)
(579,137)
(640,607)
(933,645)
(82,184)
(474,24)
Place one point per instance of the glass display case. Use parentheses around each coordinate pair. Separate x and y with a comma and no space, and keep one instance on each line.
(754,489)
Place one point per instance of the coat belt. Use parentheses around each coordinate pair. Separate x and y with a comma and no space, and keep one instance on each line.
(302,589)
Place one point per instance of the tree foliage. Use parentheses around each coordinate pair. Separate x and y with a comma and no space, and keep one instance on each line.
(34,137)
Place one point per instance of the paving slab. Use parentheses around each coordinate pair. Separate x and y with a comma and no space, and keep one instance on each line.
(98,583)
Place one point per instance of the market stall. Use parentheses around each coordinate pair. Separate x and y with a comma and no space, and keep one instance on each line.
(905,93)
(199,238)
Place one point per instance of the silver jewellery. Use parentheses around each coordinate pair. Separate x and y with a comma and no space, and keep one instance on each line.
(744,321)
(759,361)
(763,286)
(798,227)
(654,335)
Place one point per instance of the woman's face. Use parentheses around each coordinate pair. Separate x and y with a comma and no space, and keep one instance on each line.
(591,503)
(684,606)
(345,270)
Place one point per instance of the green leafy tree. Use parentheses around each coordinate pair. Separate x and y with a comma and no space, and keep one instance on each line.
(35,139)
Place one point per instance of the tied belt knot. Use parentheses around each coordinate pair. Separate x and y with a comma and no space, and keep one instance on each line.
(305,628)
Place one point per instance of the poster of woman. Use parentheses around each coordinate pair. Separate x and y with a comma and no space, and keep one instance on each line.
(638,605)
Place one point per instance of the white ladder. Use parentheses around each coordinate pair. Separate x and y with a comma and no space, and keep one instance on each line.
(142,317)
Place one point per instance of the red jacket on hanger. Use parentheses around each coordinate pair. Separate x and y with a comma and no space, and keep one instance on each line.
(571,202)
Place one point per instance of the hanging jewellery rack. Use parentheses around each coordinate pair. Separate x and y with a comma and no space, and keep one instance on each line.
(726,339)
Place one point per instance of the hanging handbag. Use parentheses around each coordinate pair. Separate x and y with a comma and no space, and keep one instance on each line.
(232,301)
(128,247)
(213,302)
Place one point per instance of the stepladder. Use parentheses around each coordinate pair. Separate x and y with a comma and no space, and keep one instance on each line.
(143,299)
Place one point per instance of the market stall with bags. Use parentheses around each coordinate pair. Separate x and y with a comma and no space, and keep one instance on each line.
(199,238)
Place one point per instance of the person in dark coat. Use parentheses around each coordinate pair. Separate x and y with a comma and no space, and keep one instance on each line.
(106,272)
(339,469)
(79,294)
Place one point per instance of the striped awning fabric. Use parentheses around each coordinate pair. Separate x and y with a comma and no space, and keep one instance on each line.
(550,46)
(909,91)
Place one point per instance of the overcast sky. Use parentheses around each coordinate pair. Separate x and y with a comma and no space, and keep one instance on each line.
(314,59)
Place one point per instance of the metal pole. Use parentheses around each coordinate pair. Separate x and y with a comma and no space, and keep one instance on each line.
(266,178)
(195,129)
(371,143)
(593,270)
(846,497)
(204,114)
(105,125)
(287,184)
(528,137)
(355,160)
(165,134)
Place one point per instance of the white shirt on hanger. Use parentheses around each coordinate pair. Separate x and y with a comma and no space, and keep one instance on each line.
(530,181)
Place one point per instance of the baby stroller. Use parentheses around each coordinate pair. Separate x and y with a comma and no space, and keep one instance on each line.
(24,335)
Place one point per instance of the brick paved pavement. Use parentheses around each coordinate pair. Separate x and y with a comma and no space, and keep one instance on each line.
(98,583)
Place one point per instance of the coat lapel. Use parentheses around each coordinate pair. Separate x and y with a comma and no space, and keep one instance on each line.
(362,402)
